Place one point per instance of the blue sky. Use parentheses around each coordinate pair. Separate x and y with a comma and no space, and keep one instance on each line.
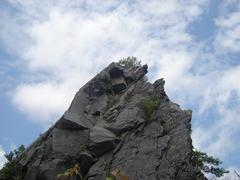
(49,49)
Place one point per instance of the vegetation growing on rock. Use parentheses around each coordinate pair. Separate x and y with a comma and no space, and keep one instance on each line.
(208,164)
(104,115)
(150,105)
(116,174)
(11,170)
(129,62)
(71,172)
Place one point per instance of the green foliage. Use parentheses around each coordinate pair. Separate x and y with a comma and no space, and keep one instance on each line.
(71,172)
(129,62)
(150,105)
(83,147)
(11,170)
(208,164)
(189,126)
(111,177)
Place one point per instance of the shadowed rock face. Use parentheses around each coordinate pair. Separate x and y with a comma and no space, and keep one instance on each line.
(106,129)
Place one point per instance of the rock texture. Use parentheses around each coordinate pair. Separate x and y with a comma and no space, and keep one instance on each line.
(106,129)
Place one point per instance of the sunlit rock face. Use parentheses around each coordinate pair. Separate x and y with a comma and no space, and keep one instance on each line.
(117,122)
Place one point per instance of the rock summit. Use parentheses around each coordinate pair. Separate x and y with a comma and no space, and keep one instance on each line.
(118,124)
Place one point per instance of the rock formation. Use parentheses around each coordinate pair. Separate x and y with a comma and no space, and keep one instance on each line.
(117,123)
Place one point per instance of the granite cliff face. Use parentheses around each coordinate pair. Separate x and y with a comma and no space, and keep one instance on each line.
(117,123)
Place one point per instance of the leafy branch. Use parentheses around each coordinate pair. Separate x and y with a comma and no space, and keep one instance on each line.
(11,170)
(71,172)
(208,164)
(150,105)
(129,62)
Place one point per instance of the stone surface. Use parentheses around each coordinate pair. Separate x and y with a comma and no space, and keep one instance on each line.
(115,72)
(69,141)
(102,140)
(119,84)
(85,160)
(140,72)
(105,129)
(71,120)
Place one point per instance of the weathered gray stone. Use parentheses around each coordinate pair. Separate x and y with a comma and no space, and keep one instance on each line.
(100,134)
(31,173)
(105,129)
(102,140)
(128,75)
(141,71)
(99,85)
(80,100)
(127,119)
(71,120)
(118,84)
(161,157)
(57,164)
(159,84)
(115,72)
(85,160)
(69,141)
(99,105)
(98,169)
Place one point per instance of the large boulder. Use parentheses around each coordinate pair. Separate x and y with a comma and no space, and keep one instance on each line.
(119,84)
(102,140)
(69,142)
(112,126)
(71,120)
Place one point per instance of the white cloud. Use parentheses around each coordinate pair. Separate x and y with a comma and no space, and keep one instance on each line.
(43,101)
(66,45)
(13,147)
(232,175)
(3,160)
(223,95)
(228,35)
(174,65)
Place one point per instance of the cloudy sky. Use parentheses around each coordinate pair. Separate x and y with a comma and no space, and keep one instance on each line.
(49,49)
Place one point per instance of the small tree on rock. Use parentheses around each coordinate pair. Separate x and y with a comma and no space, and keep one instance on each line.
(129,62)
(208,164)
(11,170)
